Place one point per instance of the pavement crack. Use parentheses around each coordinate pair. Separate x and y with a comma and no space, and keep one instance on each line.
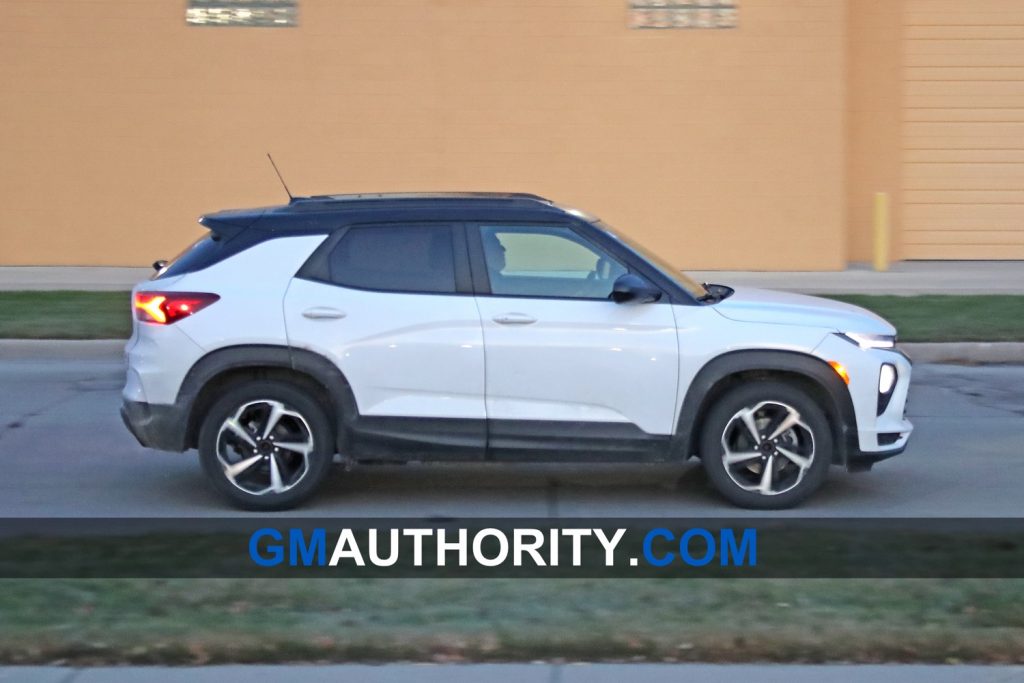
(71,675)
(19,422)
(978,390)
(551,496)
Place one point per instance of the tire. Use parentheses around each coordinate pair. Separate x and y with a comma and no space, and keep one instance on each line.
(257,473)
(800,452)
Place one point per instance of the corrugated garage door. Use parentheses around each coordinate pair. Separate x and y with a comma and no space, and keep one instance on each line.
(963,176)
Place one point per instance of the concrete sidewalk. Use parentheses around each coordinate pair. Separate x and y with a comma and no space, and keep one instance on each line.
(523,673)
(905,278)
(71,277)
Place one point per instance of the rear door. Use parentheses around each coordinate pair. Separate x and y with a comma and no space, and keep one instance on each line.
(391,306)
(569,372)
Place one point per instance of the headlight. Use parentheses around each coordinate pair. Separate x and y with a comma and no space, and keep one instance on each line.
(870,341)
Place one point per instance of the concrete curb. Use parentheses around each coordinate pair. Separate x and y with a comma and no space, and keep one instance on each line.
(521,673)
(965,352)
(113,349)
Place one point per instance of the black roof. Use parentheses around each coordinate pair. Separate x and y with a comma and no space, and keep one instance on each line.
(326,212)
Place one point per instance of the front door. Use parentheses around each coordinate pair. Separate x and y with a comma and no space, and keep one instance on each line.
(568,371)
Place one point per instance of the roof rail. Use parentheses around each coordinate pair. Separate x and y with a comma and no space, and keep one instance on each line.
(423,195)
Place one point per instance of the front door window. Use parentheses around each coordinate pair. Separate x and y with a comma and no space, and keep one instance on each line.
(548,262)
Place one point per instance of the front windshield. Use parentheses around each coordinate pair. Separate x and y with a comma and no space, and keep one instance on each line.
(695,289)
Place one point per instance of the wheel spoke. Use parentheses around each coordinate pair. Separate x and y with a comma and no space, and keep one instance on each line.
(733,458)
(792,418)
(304,448)
(240,431)
(275,476)
(276,411)
(798,460)
(256,425)
(747,416)
(780,455)
(237,468)
(765,486)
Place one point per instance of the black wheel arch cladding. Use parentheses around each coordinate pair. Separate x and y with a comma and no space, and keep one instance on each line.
(221,367)
(723,372)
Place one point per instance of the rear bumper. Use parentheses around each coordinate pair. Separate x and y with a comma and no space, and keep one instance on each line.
(155,426)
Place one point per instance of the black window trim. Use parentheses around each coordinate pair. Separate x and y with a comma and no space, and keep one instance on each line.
(677,292)
(317,266)
(671,293)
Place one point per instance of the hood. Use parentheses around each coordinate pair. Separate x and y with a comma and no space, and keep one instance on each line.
(783,308)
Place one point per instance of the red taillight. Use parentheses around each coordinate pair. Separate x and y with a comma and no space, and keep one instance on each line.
(165,308)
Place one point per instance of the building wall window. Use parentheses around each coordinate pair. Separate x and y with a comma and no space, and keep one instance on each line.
(683,13)
(265,13)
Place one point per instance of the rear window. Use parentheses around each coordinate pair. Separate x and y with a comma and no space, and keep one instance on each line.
(414,258)
(204,252)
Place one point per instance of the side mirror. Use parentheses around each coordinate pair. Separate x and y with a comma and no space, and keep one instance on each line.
(631,288)
(159,265)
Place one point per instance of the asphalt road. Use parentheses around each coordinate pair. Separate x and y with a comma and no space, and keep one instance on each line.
(65,453)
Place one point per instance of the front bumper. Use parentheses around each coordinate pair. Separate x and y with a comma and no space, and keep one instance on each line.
(156,426)
(876,435)
(889,432)
(862,461)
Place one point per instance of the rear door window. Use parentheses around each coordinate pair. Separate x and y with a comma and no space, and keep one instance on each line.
(395,258)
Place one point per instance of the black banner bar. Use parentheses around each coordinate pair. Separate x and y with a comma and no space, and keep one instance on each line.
(255,546)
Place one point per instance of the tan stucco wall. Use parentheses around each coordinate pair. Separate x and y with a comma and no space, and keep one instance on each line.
(875,85)
(719,148)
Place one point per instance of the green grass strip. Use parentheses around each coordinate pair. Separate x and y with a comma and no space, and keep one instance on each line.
(948,318)
(65,315)
(199,621)
(925,318)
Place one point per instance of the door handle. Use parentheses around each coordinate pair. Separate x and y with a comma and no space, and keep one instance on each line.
(323,313)
(514,319)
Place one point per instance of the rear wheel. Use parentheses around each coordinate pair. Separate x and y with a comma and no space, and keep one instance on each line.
(766,445)
(266,445)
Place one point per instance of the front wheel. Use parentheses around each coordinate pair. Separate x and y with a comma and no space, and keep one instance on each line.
(766,445)
(266,445)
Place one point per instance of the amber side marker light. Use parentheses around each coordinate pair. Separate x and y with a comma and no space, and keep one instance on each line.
(840,370)
(165,308)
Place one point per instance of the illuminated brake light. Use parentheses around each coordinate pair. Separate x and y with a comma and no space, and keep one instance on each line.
(165,308)
(147,308)
(840,370)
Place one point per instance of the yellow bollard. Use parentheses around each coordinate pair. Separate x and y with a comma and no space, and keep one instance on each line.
(881,260)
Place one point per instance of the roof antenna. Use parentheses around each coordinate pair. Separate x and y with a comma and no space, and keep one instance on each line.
(283,184)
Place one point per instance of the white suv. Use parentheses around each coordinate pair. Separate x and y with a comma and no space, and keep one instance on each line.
(491,327)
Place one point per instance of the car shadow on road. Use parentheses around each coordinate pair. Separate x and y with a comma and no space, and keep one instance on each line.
(448,490)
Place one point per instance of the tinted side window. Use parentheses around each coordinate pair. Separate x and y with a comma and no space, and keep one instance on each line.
(413,258)
(202,253)
(547,262)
